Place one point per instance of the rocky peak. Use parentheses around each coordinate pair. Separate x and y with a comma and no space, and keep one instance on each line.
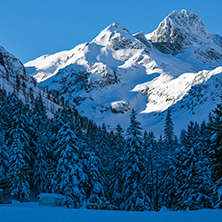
(117,37)
(179,30)
(142,38)
(11,66)
(194,22)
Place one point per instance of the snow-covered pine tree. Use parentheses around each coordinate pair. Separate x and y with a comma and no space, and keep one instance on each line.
(169,135)
(102,145)
(95,183)
(206,185)
(4,156)
(61,117)
(18,163)
(41,176)
(166,161)
(103,151)
(216,151)
(117,166)
(18,141)
(39,114)
(134,195)
(152,174)
(70,176)
(191,193)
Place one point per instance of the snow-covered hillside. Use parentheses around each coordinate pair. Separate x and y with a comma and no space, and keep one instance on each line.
(118,71)
(13,78)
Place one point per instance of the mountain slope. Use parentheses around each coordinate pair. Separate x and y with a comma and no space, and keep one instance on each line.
(185,33)
(118,71)
(14,79)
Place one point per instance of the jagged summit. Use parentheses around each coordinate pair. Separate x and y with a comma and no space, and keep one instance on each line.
(118,71)
(117,37)
(179,30)
(116,27)
(177,23)
(11,66)
(195,22)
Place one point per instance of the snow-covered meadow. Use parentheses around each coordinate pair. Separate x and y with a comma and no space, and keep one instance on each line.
(31,212)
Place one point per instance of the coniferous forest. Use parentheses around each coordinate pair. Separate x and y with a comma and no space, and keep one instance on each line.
(133,170)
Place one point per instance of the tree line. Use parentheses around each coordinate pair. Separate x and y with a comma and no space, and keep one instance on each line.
(92,166)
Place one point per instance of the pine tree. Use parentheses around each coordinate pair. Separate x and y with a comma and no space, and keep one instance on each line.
(19,142)
(216,152)
(169,136)
(19,182)
(193,182)
(69,172)
(103,151)
(102,145)
(167,166)
(4,156)
(152,174)
(134,195)
(41,176)
(95,183)
(117,166)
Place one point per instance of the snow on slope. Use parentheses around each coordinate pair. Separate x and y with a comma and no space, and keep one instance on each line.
(165,92)
(31,212)
(147,72)
(13,71)
(184,34)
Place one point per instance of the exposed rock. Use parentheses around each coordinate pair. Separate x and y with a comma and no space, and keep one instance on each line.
(120,107)
(118,66)
(179,30)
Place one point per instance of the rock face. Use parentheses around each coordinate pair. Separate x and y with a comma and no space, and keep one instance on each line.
(11,66)
(150,72)
(117,37)
(178,31)
(14,79)
(120,107)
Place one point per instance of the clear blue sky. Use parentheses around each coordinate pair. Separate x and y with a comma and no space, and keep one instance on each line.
(30,28)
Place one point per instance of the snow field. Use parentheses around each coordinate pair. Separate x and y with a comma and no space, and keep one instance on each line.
(31,212)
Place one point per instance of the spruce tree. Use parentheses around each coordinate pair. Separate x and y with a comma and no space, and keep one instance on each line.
(95,183)
(19,143)
(4,156)
(216,152)
(134,196)
(192,181)
(19,181)
(152,174)
(42,178)
(169,136)
(117,166)
(70,176)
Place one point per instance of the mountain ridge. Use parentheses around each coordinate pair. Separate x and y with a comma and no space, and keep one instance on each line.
(130,70)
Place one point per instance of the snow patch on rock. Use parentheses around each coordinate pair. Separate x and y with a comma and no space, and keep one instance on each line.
(120,107)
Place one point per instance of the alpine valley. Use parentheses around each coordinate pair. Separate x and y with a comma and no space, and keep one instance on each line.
(179,65)
(54,147)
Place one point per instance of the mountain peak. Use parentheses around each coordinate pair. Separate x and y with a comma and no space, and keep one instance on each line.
(179,30)
(117,37)
(116,27)
(186,12)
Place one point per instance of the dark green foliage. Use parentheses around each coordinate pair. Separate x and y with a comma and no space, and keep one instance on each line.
(70,154)
(134,196)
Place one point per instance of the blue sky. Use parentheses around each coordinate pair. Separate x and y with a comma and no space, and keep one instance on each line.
(31,28)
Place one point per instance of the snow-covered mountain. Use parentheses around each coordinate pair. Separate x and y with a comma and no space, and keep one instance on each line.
(13,78)
(118,71)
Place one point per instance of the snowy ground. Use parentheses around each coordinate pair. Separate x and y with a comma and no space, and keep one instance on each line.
(31,212)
